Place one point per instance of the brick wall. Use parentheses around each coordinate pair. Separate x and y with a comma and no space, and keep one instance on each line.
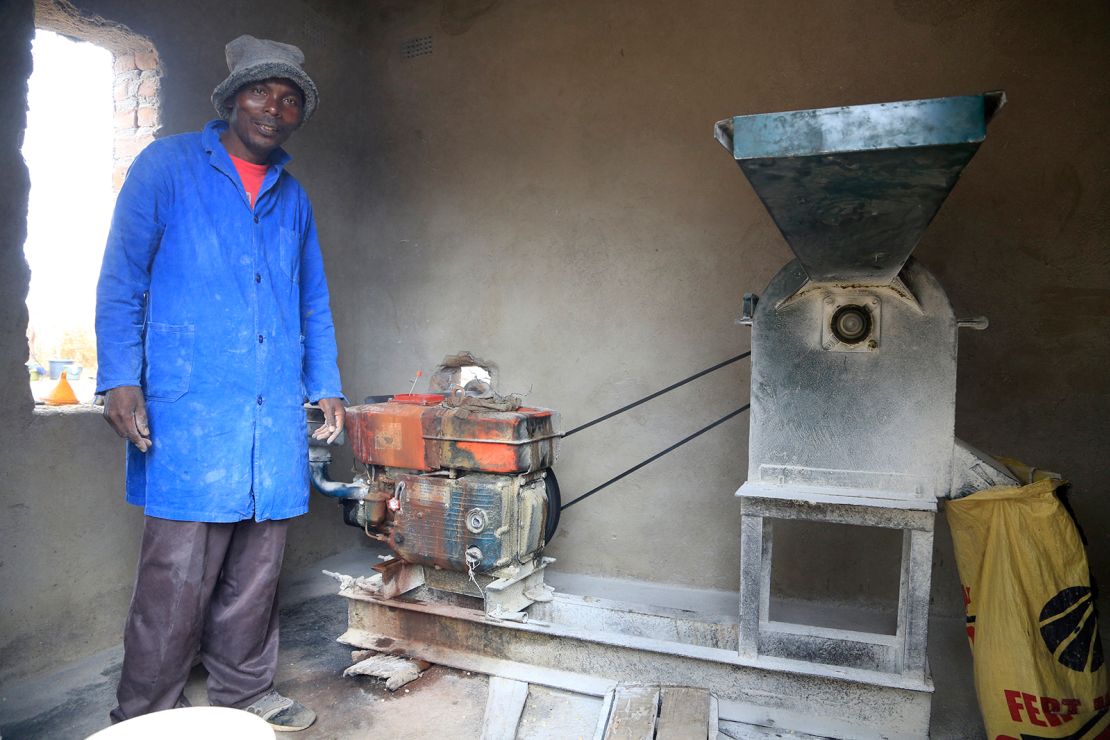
(138,74)
(137,109)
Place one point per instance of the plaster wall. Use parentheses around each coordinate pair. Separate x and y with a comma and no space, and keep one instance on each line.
(543,189)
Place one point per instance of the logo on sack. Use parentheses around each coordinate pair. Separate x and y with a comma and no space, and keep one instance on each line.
(1069,627)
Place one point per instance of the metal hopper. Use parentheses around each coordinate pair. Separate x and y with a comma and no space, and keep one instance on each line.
(853,188)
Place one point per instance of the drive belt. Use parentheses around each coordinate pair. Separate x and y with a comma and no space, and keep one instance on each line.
(673,447)
(668,389)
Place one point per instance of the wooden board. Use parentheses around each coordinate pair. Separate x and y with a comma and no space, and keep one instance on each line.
(683,714)
(658,713)
(632,714)
(504,705)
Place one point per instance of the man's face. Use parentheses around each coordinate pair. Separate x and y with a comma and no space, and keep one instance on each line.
(263,116)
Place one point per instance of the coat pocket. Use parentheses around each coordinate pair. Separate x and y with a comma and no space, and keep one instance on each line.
(290,242)
(169,360)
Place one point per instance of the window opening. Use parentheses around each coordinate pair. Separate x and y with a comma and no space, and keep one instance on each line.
(68,150)
(93,105)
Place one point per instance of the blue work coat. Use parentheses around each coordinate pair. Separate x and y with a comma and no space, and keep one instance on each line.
(220,313)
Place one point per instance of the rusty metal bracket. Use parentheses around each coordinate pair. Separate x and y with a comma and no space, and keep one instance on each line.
(398,577)
(504,598)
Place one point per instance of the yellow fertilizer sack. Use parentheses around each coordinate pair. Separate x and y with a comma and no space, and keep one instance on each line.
(1031,616)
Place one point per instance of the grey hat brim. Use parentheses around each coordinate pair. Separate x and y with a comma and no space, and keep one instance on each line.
(221,96)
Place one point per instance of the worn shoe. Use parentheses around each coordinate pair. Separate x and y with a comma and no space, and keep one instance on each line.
(283,714)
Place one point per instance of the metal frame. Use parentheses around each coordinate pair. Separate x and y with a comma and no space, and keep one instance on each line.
(793,677)
(903,653)
(502,598)
(589,645)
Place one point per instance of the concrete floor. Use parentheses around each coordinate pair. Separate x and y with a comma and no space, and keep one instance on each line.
(73,701)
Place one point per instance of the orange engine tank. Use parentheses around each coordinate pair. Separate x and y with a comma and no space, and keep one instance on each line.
(420,434)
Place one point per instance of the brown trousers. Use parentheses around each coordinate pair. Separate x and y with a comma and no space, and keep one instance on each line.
(202,589)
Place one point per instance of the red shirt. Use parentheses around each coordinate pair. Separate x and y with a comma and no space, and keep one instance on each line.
(251,176)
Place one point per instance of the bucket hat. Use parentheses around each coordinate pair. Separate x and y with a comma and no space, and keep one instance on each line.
(251,60)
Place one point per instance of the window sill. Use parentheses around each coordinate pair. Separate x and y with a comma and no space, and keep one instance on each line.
(73,409)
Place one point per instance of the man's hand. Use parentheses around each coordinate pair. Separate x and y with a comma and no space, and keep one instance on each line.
(334,414)
(125,411)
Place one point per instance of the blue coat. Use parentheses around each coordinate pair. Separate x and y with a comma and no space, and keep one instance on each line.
(220,313)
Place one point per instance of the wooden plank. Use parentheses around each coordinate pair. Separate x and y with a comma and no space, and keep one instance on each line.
(603,715)
(683,714)
(632,716)
(504,705)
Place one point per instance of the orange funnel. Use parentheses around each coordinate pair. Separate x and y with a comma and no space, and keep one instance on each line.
(62,395)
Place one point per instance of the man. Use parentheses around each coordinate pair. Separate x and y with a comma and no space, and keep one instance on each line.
(213,327)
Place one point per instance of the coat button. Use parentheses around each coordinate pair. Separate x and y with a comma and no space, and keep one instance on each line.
(259,399)
(256,219)
(261,339)
(257,278)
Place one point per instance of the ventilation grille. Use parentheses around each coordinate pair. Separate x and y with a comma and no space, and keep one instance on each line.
(416,47)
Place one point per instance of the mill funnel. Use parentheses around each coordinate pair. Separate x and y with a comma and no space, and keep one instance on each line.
(852,189)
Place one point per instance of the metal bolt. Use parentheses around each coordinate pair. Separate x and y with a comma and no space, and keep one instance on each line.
(473,556)
(476,520)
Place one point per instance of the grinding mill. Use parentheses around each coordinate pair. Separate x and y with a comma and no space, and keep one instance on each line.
(853,393)
(853,386)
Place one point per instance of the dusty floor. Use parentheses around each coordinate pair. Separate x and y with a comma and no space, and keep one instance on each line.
(74,701)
